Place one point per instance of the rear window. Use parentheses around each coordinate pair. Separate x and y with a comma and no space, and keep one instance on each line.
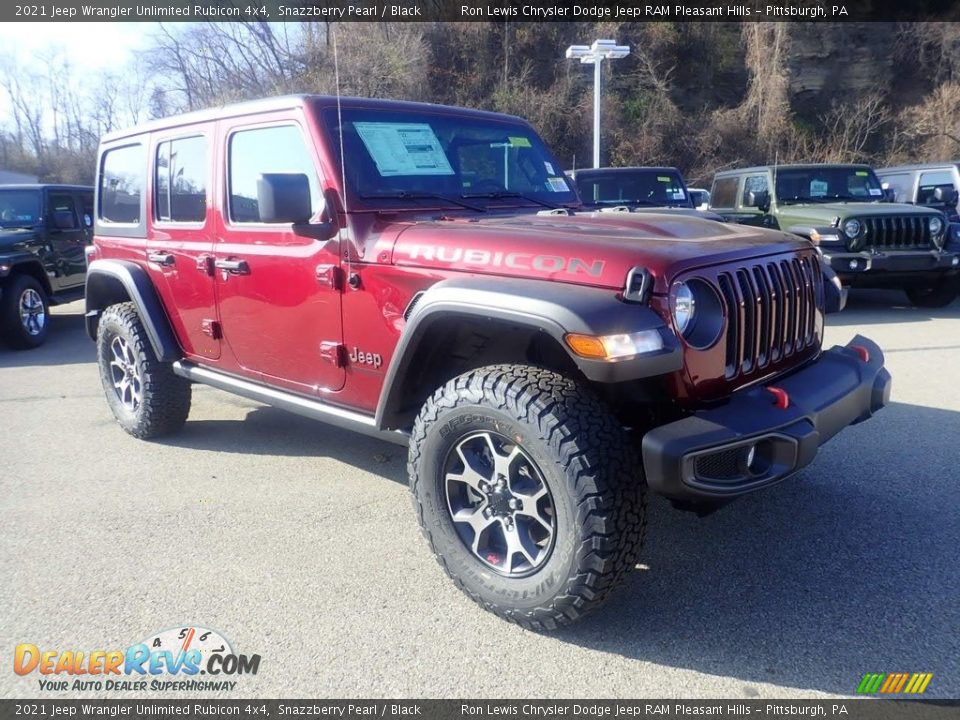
(180,180)
(723,194)
(121,185)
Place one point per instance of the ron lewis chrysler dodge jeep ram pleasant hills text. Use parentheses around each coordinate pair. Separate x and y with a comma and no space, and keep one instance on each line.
(427,274)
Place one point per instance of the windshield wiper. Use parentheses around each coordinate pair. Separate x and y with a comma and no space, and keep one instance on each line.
(405,195)
(501,194)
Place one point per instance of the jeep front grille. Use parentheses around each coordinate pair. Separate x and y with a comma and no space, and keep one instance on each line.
(772,310)
(897,232)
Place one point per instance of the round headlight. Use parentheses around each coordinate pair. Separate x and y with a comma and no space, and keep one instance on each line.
(936,226)
(851,228)
(684,306)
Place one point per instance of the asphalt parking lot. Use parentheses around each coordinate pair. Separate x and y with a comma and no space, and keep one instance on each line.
(297,541)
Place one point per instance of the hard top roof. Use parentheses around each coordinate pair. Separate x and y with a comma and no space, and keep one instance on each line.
(795,166)
(286,102)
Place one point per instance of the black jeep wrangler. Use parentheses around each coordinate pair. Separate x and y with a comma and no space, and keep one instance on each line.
(44,230)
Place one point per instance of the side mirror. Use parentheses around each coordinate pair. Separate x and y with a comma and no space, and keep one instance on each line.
(64,220)
(889,195)
(759,199)
(283,198)
(945,196)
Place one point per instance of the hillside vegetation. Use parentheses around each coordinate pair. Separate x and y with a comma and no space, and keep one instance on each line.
(702,96)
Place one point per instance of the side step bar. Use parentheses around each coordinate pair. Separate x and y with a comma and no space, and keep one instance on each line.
(313,409)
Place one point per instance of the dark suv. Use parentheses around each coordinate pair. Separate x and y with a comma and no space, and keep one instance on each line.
(843,209)
(44,230)
(637,189)
(420,273)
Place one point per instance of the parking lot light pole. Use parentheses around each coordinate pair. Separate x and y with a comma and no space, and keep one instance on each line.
(595,54)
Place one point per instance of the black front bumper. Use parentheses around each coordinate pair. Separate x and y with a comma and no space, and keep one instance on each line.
(706,457)
(853,264)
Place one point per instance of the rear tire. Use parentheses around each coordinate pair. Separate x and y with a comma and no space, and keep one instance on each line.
(528,492)
(146,398)
(935,296)
(24,312)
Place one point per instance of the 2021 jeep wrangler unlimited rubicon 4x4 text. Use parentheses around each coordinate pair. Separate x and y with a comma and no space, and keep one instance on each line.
(422,273)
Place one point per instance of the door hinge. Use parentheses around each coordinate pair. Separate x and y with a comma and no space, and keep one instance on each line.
(334,352)
(211,328)
(331,276)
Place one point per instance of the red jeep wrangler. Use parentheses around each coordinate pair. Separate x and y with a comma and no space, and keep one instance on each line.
(426,274)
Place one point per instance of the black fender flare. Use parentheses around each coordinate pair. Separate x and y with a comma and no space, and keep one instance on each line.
(551,307)
(10,261)
(113,281)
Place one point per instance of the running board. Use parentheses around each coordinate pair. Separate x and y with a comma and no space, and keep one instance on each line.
(313,409)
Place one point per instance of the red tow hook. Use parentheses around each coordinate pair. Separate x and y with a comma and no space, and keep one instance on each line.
(780,398)
(862,352)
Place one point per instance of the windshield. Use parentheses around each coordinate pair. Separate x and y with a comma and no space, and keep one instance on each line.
(655,188)
(19,208)
(452,159)
(826,184)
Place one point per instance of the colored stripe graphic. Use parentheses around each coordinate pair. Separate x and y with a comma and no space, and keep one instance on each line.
(894,683)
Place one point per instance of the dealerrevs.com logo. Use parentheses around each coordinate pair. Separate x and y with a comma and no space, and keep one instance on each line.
(188,658)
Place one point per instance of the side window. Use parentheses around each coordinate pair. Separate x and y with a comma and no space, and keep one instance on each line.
(63,212)
(929,182)
(723,194)
(754,183)
(266,150)
(121,185)
(180,180)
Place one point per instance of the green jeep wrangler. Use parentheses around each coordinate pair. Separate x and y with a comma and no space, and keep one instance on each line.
(843,209)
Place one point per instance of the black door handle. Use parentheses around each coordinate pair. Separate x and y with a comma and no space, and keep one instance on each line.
(237,267)
(161,258)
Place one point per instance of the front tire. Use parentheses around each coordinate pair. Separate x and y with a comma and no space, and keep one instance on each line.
(146,398)
(25,312)
(528,493)
(936,296)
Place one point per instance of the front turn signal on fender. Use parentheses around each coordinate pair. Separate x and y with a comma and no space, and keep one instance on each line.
(614,347)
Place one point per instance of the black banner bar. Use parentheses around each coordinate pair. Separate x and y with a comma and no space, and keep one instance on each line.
(856,709)
(481,11)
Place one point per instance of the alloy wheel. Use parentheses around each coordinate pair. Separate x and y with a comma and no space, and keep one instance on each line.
(499,503)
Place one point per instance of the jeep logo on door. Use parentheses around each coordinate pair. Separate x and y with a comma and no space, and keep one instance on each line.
(359,357)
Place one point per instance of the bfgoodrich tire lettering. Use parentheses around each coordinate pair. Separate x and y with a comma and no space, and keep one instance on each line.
(146,398)
(595,487)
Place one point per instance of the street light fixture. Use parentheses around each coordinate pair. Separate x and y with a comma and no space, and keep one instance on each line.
(595,54)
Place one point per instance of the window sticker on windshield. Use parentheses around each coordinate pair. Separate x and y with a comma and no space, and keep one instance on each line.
(549,168)
(519,141)
(557,184)
(876,191)
(404,148)
(862,173)
(818,188)
(664,178)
